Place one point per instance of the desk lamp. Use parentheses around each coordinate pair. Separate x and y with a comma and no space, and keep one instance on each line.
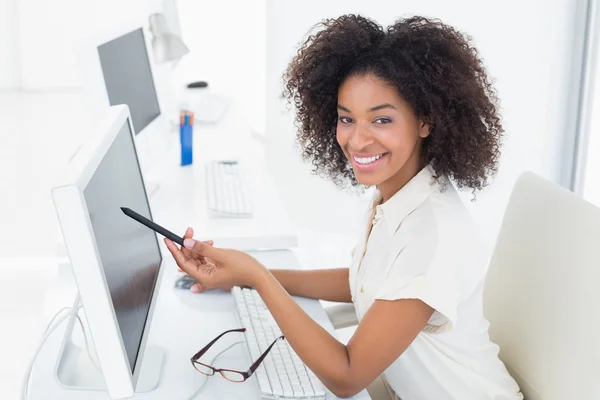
(166,45)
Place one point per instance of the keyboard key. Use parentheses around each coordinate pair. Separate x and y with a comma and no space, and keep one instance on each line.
(287,387)
(308,389)
(265,386)
(298,392)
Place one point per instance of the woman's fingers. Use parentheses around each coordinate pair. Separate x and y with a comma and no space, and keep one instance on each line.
(179,257)
(203,249)
(173,249)
(187,259)
(196,288)
(189,233)
(202,258)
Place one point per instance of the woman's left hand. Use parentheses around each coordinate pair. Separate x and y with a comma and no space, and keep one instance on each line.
(221,268)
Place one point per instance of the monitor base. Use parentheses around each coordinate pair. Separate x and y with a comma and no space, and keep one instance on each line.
(76,370)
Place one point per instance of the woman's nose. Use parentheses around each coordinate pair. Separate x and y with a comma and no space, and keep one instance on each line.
(361,137)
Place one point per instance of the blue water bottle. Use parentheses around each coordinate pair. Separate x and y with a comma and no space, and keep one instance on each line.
(186,131)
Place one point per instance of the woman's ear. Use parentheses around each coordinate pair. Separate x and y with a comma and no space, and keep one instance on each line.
(425,129)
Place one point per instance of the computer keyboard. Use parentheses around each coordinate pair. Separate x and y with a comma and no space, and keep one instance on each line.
(227,190)
(282,375)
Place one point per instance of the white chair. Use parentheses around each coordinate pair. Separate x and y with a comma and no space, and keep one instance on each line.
(542,292)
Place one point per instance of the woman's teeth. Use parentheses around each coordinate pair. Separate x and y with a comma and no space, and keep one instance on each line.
(367,160)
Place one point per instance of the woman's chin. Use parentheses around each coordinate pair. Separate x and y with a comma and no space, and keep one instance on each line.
(366,180)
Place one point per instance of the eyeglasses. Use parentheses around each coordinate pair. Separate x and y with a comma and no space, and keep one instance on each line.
(229,374)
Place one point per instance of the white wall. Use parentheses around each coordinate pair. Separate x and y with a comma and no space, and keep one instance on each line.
(227,42)
(226,48)
(49,32)
(10,76)
(525,46)
(38,37)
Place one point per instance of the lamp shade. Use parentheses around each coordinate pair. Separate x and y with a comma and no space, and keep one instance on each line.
(166,46)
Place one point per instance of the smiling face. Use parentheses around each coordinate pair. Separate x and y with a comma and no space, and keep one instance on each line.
(379,133)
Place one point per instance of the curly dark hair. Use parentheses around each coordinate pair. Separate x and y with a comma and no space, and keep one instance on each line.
(434,68)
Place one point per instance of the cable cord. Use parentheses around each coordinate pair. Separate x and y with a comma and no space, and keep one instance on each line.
(54,323)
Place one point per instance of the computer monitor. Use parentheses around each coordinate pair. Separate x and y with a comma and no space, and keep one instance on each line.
(116,261)
(117,68)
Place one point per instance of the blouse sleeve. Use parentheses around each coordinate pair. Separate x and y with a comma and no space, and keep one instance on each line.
(427,270)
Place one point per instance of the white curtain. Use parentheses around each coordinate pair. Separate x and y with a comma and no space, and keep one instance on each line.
(586,163)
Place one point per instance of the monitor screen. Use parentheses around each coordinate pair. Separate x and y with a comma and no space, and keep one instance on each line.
(128,77)
(128,250)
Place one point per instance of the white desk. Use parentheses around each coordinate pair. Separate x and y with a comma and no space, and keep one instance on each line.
(184,322)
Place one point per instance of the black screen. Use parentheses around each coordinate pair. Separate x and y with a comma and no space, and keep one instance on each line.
(128,250)
(128,78)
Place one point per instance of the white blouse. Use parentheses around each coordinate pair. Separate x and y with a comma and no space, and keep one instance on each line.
(422,243)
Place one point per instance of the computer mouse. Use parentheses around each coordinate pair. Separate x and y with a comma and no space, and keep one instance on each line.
(185,282)
(197,84)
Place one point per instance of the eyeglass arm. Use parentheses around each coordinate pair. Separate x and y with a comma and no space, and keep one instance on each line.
(256,364)
(205,348)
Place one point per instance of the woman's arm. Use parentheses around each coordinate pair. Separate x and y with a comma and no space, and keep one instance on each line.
(322,284)
(325,284)
(386,330)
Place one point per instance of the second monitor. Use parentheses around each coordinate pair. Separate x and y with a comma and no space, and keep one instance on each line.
(118,69)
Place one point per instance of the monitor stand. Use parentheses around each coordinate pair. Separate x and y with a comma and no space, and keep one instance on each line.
(76,370)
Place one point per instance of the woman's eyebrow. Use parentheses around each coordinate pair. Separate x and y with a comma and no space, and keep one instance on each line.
(381,107)
(376,108)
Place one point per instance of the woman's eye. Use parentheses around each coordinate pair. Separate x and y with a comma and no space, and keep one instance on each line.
(344,120)
(382,120)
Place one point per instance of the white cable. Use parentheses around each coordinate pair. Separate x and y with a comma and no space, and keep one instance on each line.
(55,316)
(47,332)
(197,392)
(85,339)
(50,328)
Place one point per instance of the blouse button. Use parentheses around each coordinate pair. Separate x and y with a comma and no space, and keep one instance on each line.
(361,289)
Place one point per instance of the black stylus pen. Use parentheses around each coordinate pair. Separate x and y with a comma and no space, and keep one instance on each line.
(155,227)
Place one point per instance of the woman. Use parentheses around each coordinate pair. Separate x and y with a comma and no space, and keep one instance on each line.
(408,109)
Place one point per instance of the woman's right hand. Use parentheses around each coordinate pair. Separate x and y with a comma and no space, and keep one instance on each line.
(197,287)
